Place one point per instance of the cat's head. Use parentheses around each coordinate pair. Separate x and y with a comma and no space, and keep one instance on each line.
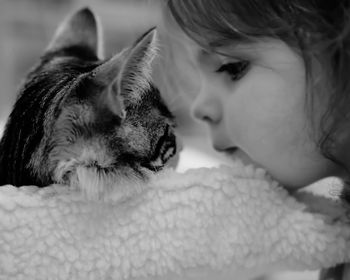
(99,117)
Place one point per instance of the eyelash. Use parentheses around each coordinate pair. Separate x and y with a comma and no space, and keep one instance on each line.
(235,70)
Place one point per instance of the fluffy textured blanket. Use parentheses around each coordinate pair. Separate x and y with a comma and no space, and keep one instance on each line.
(218,223)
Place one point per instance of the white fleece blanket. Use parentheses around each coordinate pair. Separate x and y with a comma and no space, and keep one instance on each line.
(208,223)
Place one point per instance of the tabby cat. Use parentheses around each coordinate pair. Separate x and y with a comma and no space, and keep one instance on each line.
(80,120)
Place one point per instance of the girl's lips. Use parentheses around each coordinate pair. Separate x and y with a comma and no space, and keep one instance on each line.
(235,153)
(231,150)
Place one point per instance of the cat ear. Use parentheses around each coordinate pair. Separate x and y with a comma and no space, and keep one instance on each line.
(107,73)
(135,73)
(127,74)
(105,76)
(80,29)
(131,68)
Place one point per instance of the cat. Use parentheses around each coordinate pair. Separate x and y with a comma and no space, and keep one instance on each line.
(83,121)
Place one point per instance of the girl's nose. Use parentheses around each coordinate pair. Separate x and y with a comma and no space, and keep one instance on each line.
(207,108)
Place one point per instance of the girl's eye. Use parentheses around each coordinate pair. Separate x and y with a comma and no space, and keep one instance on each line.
(235,70)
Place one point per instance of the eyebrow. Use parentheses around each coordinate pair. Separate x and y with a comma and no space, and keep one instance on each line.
(221,43)
(246,49)
(236,52)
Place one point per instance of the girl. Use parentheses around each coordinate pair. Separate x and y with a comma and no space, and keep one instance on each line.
(270,79)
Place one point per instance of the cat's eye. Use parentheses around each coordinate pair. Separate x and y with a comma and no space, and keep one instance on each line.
(235,70)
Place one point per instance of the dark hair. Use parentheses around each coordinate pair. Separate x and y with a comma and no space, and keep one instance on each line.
(317,29)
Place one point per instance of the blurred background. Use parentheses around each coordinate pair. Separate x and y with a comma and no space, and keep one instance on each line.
(26,27)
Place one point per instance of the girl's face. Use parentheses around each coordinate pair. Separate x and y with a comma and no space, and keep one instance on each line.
(253,102)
